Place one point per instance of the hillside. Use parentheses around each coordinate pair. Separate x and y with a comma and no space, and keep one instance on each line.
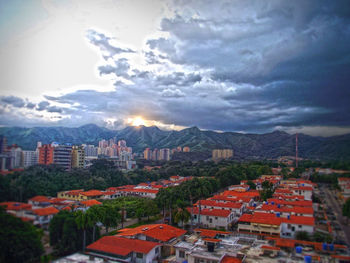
(269,145)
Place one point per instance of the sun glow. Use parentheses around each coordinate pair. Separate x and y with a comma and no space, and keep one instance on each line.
(137,121)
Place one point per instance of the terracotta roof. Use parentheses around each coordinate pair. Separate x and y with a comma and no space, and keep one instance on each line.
(92,193)
(219,204)
(285,209)
(109,193)
(211,212)
(261,218)
(16,206)
(92,202)
(161,232)
(122,246)
(210,233)
(290,203)
(230,259)
(40,199)
(46,211)
(251,193)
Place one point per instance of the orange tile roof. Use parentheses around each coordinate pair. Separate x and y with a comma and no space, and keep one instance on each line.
(161,232)
(91,202)
(290,203)
(210,233)
(285,209)
(219,204)
(122,246)
(46,211)
(251,193)
(40,199)
(230,259)
(210,212)
(272,219)
(92,193)
(16,206)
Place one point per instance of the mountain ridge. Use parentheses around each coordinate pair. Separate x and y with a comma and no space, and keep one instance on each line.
(261,146)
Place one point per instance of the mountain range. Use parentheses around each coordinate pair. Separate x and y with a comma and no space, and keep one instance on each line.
(255,146)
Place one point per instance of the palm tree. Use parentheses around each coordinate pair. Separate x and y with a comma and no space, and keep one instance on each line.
(182,215)
(110,216)
(83,223)
(94,216)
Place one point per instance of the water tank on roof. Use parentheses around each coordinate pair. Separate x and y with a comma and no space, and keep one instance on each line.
(308,259)
(278,214)
(272,203)
(288,216)
(254,204)
(324,246)
(298,250)
(331,247)
(279,206)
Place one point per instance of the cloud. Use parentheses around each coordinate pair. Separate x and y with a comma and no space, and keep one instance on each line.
(169,93)
(104,44)
(42,105)
(12,100)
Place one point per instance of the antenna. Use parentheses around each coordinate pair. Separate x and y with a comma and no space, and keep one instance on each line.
(296,150)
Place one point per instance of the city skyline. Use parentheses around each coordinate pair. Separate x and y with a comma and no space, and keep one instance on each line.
(243,66)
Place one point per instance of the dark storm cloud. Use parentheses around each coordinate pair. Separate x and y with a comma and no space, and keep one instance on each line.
(12,100)
(42,105)
(228,65)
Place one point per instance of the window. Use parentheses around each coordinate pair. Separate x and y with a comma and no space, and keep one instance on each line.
(182,254)
(210,220)
(139,255)
(157,250)
(216,218)
(300,226)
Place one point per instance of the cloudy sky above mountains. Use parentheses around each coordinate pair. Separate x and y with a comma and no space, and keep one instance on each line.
(246,66)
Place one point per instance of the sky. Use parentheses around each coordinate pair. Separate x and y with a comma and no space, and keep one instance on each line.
(243,66)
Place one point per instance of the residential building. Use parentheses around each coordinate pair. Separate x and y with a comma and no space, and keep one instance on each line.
(46,153)
(147,154)
(164,154)
(63,156)
(78,157)
(15,154)
(90,150)
(212,218)
(119,249)
(30,158)
(3,144)
(186,149)
(219,154)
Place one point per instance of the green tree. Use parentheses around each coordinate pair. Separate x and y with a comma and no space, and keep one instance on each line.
(302,235)
(110,216)
(267,191)
(251,184)
(83,221)
(346,208)
(19,241)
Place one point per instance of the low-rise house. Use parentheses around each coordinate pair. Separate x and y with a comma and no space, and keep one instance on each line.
(42,216)
(17,209)
(285,211)
(161,233)
(119,249)
(236,207)
(212,218)
(39,201)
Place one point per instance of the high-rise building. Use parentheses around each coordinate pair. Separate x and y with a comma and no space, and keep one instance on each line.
(122,143)
(186,149)
(155,155)
(219,154)
(179,148)
(15,154)
(78,157)
(46,154)
(63,156)
(30,158)
(3,144)
(103,144)
(91,150)
(164,154)
(147,154)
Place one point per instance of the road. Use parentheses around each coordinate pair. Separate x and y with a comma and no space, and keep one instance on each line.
(334,204)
